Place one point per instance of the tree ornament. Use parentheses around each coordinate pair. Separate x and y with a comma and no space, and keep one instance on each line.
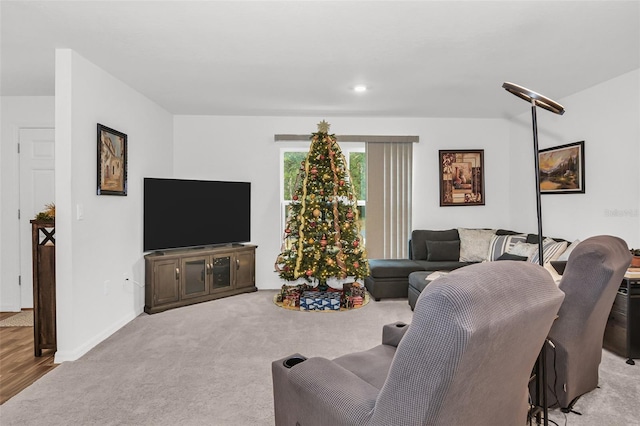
(316,212)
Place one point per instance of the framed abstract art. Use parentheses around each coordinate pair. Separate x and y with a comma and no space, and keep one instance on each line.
(462,178)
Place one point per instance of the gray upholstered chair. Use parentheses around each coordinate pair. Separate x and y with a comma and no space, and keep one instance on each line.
(590,281)
(465,359)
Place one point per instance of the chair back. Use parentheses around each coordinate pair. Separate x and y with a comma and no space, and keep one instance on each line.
(467,356)
(590,282)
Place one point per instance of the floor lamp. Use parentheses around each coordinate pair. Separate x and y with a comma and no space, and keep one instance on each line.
(537,99)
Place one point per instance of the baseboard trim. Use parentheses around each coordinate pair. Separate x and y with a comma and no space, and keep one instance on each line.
(10,308)
(75,354)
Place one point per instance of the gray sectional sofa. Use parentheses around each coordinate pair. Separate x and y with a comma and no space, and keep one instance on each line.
(429,251)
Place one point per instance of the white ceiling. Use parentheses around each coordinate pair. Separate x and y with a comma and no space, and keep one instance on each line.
(302,58)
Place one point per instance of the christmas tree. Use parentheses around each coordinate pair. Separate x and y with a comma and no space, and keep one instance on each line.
(322,237)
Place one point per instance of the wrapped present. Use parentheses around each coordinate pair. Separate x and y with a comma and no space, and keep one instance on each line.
(320,301)
(291,300)
(351,290)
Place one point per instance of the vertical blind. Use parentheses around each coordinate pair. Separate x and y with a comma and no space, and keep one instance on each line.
(389,188)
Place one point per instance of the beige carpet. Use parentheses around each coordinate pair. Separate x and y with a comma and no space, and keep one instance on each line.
(21,319)
(210,364)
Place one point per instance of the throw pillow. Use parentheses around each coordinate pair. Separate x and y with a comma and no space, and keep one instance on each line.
(500,244)
(565,254)
(443,250)
(419,238)
(509,256)
(474,244)
(523,249)
(551,250)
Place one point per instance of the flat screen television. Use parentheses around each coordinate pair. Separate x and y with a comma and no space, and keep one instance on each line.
(182,213)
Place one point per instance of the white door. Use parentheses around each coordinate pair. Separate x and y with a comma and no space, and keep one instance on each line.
(37,188)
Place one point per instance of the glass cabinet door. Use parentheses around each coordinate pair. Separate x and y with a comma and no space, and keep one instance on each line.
(194,277)
(221,272)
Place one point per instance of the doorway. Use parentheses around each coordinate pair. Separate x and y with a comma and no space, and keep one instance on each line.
(36,188)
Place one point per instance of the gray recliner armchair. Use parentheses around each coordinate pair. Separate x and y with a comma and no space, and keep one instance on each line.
(466,358)
(590,281)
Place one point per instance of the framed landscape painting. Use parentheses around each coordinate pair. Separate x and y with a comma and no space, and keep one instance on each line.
(462,178)
(562,169)
(112,161)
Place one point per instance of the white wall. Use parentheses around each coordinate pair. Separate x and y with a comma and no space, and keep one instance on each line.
(243,149)
(93,254)
(606,117)
(17,112)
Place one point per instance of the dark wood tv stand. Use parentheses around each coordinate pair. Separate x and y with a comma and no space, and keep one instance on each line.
(184,277)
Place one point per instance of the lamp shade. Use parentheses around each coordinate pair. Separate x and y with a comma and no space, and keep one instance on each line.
(533,97)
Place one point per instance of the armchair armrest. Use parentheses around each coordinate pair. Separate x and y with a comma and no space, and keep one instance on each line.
(326,393)
(393,333)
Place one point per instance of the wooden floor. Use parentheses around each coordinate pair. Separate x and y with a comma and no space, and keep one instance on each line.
(18,366)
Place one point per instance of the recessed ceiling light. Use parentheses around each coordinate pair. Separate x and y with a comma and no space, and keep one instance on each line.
(360,88)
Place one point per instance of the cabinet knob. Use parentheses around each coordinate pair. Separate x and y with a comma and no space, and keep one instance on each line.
(237,264)
(177,273)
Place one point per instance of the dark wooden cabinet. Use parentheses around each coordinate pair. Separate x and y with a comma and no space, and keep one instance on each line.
(622,334)
(44,285)
(182,277)
(166,281)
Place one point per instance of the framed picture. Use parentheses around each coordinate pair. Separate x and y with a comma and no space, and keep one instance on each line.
(462,178)
(112,161)
(562,169)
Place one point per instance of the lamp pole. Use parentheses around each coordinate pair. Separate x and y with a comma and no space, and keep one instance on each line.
(537,99)
(536,161)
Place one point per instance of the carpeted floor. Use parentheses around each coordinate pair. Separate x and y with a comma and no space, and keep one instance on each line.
(21,319)
(211,364)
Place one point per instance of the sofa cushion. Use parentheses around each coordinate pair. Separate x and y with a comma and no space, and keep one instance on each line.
(474,244)
(444,265)
(443,250)
(391,268)
(418,280)
(533,239)
(506,232)
(419,240)
(509,256)
(551,250)
(500,244)
(565,254)
(523,249)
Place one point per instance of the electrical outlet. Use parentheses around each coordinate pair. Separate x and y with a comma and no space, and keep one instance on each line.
(106,287)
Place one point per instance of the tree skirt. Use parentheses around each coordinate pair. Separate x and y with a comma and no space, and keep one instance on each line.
(312,300)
